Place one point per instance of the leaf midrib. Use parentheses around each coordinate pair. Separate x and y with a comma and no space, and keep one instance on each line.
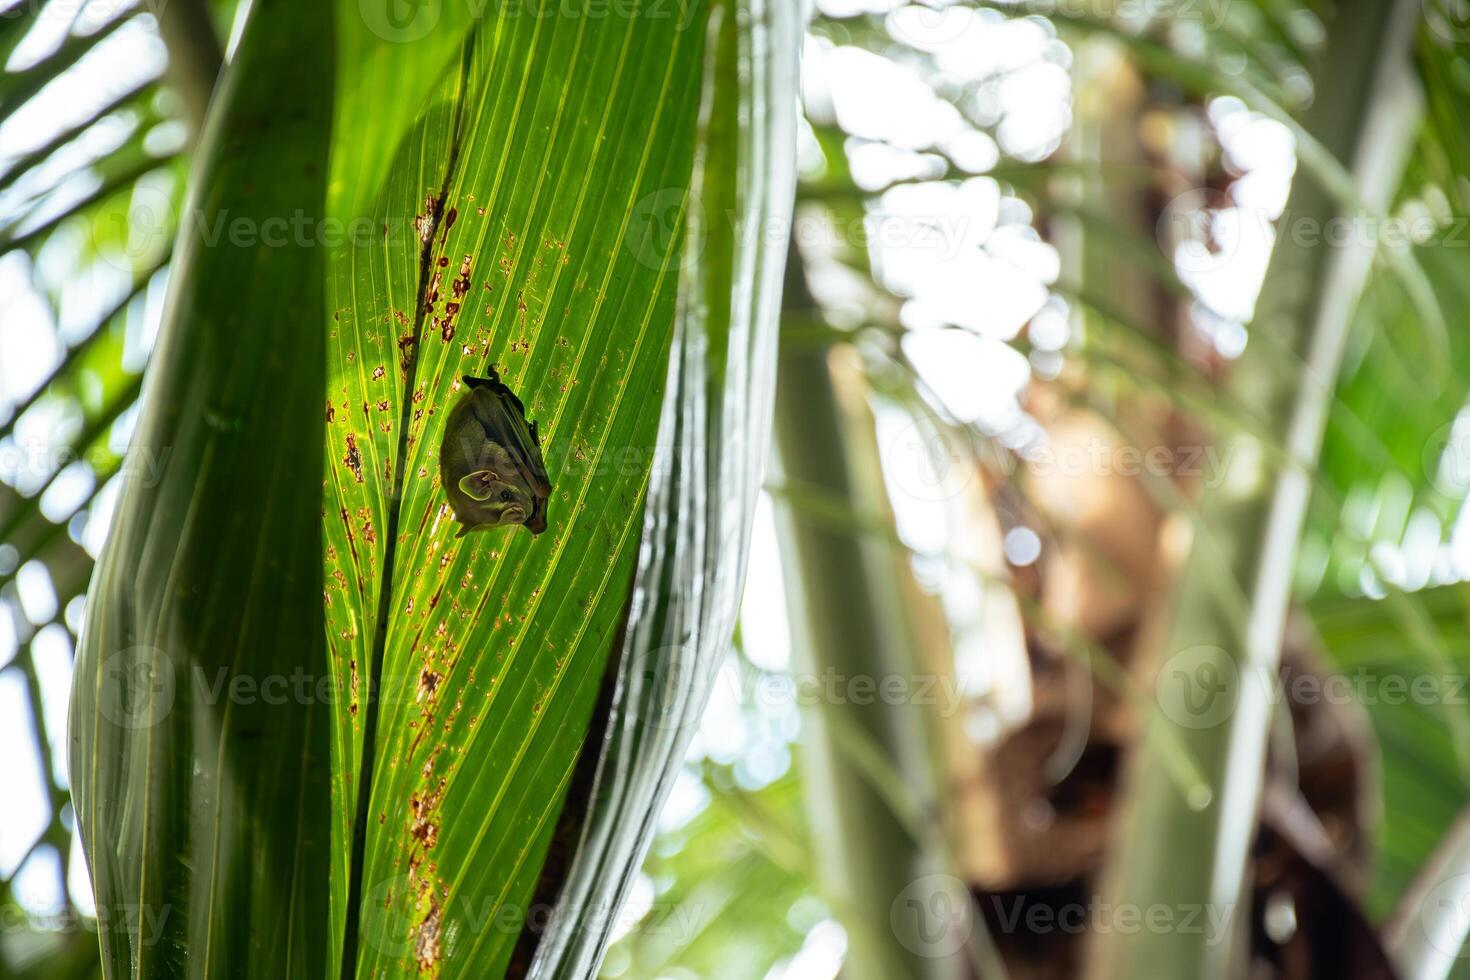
(367,761)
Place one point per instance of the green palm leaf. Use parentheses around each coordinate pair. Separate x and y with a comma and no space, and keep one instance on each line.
(203,809)
(487,652)
(476,189)
(713,442)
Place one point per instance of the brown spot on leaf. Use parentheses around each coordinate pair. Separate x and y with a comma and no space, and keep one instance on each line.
(462,281)
(426,945)
(424,223)
(421,825)
(353,459)
(426,832)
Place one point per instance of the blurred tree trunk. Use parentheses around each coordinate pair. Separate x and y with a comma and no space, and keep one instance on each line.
(845,595)
(194,56)
(1191,854)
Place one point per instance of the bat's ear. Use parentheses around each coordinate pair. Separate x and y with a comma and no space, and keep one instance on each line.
(463,530)
(476,485)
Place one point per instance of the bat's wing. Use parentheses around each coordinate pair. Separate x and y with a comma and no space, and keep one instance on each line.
(503,419)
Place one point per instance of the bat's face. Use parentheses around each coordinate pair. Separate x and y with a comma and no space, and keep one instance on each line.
(490,462)
(499,495)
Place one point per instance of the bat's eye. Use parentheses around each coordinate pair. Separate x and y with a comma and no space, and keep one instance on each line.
(505,495)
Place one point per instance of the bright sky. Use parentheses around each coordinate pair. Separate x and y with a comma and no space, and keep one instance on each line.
(32,343)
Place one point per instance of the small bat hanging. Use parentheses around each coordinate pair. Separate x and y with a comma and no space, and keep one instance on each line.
(490,460)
